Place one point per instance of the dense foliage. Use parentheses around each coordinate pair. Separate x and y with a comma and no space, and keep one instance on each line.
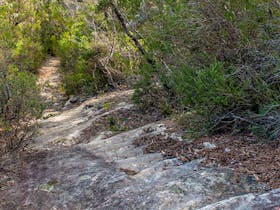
(21,53)
(94,55)
(215,62)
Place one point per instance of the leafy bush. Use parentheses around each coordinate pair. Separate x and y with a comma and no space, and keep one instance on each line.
(27,55)
(214,62)
(76,83)
(24,100)
(87,66)
(84,74)
(19,106)
(205,90)
(21,53)
(19,96)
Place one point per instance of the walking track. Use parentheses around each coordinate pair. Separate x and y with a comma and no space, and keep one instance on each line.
(84,158)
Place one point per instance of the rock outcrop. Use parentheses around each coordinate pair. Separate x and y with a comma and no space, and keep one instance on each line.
(82,159)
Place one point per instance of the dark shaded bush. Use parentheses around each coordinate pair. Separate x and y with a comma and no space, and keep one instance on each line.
(215,63)
(84,71)
(21,53)
(20,106)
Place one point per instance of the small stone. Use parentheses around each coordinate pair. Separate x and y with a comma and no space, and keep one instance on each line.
(128,171)
(85,177)
(209,145)
(99,107)
(71,101)
(88,106)
(227,150)
(74,99)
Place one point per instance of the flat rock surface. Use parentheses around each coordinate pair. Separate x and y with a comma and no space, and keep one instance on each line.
(84,158)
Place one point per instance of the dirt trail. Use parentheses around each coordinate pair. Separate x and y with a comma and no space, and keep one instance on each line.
(49,79)
(84,158)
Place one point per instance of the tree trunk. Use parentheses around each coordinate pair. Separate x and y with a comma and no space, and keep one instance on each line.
(131,36)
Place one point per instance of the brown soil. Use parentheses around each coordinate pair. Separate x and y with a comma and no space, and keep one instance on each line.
(245,154)
(49,79)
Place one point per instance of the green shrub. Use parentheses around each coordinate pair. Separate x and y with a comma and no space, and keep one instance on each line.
(76,83)
(205,89)
(231,99)
(214,61)
(87,67)
(27,55)
(19,107)
(23,101)
(83,73)
(147,94)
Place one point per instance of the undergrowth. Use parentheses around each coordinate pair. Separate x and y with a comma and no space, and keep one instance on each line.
(222,75)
